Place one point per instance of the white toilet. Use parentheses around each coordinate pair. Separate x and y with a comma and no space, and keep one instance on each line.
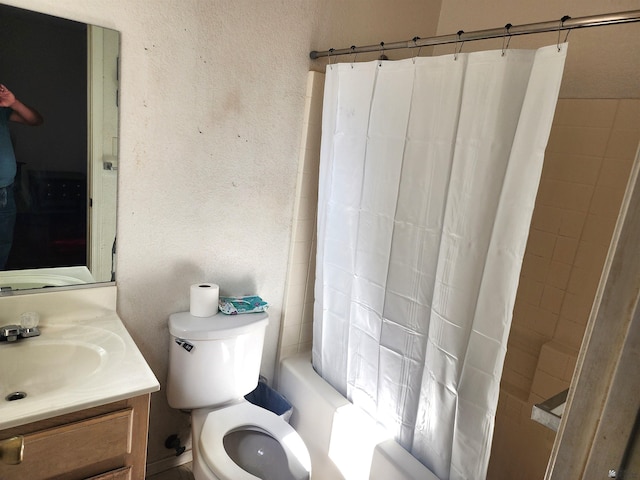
(213,363)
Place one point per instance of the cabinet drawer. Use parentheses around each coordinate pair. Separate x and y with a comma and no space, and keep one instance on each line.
(75,451)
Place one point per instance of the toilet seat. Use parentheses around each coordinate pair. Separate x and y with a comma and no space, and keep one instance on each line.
(245,415)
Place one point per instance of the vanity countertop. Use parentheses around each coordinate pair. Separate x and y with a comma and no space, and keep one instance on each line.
(79,361)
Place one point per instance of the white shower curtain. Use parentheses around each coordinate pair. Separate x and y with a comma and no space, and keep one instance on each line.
(428,176)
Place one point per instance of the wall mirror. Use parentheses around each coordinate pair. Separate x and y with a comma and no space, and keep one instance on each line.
(66,181)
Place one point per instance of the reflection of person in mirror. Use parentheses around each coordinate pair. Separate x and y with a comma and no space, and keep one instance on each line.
(11,109)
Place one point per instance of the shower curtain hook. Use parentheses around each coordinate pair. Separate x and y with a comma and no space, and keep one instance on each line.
(506,35)
(331,50)
(382,55)
(562,20)
(456,51)
(355,55)
(415,44)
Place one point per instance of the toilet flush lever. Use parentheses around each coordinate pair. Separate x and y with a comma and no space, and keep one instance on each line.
(186,345)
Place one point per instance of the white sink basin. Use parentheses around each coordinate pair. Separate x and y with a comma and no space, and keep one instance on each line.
(32,367)
(68,367)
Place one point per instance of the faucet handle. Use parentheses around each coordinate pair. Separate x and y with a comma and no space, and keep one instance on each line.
(10,332)
(29,323)
(27,328)
(29,320)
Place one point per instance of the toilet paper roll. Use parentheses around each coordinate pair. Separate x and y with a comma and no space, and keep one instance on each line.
(204,299)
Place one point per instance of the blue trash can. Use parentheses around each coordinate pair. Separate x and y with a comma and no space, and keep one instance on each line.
(266,397)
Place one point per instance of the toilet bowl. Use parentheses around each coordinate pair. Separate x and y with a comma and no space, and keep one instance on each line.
(246,442)
(213,363)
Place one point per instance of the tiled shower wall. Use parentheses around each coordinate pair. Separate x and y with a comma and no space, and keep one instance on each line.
(591,149)
(297,314)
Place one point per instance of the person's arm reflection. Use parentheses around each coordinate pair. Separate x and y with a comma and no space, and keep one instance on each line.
(21,113)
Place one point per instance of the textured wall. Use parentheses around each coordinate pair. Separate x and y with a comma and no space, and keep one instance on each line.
(213,95)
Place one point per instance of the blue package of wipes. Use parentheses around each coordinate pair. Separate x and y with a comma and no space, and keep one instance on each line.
(244,304)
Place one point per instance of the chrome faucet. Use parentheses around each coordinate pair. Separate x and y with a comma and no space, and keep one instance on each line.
(28,328)
(11,333)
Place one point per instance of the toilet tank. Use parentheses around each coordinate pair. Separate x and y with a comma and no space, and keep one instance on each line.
(213,360)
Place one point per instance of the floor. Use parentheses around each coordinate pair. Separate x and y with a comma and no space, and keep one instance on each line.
(183,472)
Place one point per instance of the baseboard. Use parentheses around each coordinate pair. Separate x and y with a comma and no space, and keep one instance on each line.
(169,463)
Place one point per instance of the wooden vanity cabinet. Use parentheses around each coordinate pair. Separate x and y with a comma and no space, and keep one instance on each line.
(108,442)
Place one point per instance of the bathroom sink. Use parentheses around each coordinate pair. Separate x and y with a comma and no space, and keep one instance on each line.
(73,364)
(33,367)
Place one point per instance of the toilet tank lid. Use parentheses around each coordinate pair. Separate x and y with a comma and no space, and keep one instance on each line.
(186,326)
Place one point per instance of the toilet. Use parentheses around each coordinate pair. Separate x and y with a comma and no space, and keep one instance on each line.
(213,363)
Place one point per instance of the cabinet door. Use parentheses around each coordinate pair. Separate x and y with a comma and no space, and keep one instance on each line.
(75,451)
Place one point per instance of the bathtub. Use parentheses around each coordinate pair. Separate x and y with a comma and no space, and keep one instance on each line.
(344,442)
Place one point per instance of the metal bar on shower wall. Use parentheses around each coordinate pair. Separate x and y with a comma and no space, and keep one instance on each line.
(565,23)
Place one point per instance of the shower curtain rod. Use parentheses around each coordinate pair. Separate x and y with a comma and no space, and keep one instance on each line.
(565,23)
